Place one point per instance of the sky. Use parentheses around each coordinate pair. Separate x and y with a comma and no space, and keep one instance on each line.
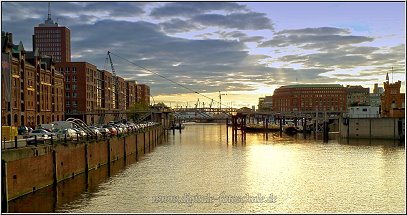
(241,50)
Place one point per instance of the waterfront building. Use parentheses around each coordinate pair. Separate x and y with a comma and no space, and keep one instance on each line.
(266,103)
(310,98)
(363,112)
(375,99)
(392,101)
(138,93)
(377,89)
(80,90)
(131,95)
(357,96)
(121,99)
(32,85)
(52,39)
(144,93)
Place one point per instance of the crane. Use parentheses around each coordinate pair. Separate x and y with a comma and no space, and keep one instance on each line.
(115,87)
(111,63)
(220,100)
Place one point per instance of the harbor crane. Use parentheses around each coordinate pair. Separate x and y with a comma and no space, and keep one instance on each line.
(220,100)
(115,83)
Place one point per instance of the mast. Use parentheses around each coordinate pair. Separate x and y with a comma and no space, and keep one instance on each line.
(49,10)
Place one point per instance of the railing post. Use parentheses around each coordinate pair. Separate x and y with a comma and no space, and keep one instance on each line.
(15,142)
(35,140)
(4,190)
(52,141)
(77,137)
(65,138)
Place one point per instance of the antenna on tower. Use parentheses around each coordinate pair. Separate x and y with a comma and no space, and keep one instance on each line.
(49,10)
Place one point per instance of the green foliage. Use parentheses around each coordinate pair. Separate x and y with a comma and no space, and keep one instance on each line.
(137,110)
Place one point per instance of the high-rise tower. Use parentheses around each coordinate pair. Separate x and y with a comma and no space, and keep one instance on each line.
(53,40)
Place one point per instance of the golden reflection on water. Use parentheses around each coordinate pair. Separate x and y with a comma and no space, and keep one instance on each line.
(302,175)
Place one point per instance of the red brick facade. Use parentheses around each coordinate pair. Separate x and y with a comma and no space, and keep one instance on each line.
(392,101)
(36,87)
(53,41)
(310,98)
(145,94)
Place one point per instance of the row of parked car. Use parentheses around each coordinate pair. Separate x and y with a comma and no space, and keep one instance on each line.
(111,129)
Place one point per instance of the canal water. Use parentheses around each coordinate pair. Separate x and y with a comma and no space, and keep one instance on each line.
(199,170)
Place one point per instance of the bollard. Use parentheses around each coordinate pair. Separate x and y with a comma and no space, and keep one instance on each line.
(77,137)
(65,138)
(325,132)
(35,140)
(15,141)
(87,136)
(52,141)
(227,131)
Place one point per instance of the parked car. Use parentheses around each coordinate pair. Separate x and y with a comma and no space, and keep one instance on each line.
(96,130)
(41,134)
(23,130)
(112,129)
(104,131)
(80,132)
(69,132)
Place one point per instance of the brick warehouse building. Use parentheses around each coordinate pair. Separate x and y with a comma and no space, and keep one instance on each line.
(144,93)
(36,91)
(357,96)
(80,89)
(53,40)
(90,95)
(310,98)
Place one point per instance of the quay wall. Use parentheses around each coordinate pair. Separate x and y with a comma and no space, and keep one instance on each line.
(376,128)
(27,169)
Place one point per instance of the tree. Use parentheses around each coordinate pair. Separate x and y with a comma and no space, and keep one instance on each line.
(137,110)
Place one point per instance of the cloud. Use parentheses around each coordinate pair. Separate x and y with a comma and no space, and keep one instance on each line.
(117,9)
(316,31)
(320,42)
(333,48)
(242,21)
(189,9)
(178,26)
(242,37)
(208,64)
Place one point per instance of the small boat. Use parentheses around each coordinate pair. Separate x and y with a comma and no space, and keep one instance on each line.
(291,129)
(260,127)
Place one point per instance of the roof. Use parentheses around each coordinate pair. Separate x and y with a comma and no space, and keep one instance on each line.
(312,86)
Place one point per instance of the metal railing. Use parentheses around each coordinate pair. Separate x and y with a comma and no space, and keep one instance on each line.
(51,140)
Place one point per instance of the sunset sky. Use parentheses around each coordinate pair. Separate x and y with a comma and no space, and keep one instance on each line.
(243,49)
